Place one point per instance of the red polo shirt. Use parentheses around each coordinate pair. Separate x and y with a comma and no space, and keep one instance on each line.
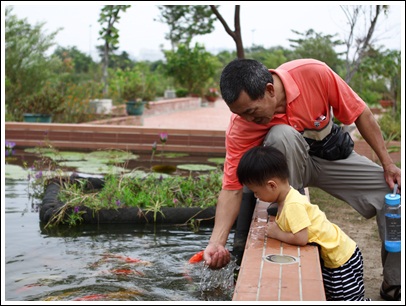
(312,90)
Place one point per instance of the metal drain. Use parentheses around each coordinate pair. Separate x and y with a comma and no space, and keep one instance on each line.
(281,259)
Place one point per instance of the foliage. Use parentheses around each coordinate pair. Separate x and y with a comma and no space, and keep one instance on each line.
(77,97)
(79,61)
(318,46)
(138,83)
(272,57)
(121,188)
(391,126)
(27,67)
(145,191)
(41,172)
(191,68)
(48,101)
(211,92)
(357,44)
(109,15)
(181,92)
(186,22)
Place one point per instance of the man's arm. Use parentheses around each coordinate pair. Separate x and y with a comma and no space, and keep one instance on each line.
(228,206)
(371,132)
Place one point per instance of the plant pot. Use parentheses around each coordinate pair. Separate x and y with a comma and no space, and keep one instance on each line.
(135,108)
(211,99)
(102,106)
(386,103)
(40,118)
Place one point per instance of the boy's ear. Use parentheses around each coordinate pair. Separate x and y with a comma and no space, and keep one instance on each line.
(271,184)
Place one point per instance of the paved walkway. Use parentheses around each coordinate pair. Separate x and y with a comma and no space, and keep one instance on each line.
(214,116)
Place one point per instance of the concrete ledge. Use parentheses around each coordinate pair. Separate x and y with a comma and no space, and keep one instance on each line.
(261,280)
(133,138)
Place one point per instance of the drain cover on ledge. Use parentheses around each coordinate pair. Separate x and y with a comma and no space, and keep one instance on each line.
(281,259)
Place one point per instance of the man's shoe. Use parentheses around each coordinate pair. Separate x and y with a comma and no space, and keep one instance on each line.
(390,293)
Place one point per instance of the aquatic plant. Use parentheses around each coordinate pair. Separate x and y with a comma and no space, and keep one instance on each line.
(9,148)
(121,187)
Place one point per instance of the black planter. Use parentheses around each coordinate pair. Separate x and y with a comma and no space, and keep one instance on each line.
(168,215)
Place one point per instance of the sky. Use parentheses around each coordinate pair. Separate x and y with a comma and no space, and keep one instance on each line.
(267,24)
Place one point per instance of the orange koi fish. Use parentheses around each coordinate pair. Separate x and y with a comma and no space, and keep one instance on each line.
(126,272)
(126,259)
(92,297)
(198,257)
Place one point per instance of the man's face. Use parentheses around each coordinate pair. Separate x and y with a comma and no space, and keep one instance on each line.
(260,111)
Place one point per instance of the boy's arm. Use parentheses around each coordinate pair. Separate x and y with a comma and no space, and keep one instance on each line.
(299,238)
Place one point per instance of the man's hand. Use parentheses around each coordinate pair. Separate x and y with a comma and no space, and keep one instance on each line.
(393,175)
(216,256)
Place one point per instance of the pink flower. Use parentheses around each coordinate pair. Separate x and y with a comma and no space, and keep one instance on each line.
(163,137)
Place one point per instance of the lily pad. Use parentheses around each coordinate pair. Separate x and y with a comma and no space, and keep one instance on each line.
(40,150)
(143,174)
(15,172)
(101,169)
(171,155)
(65,155)
(112,155)
(217,160)
(196,167)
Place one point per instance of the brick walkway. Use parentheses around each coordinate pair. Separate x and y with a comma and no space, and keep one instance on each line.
(213,116)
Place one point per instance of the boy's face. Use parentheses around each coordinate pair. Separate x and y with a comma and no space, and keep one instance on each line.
(267,192)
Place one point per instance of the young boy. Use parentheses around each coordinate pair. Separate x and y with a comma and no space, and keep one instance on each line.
(264,170)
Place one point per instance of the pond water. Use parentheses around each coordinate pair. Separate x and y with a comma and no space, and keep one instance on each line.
(104,262)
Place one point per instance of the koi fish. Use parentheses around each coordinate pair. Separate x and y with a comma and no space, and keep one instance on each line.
(126,259)
(198,257)
(126,272)
(92,297)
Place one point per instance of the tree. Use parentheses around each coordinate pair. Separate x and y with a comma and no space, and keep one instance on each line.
(318,46)
(361,42)
(81,62)
(121,61)
(236,34)
(109,33)
(186,21)
(191,68)
(27,65)
(271,58)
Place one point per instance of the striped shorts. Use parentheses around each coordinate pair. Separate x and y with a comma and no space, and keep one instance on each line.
(345,283)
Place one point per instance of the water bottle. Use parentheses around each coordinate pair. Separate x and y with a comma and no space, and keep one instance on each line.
(392,221)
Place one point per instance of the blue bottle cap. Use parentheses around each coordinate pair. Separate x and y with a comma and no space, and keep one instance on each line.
(392,199)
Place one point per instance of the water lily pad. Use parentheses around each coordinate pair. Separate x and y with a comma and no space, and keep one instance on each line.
(15,172)
(196,167)
(217,160)
(101,169)
(40,150)
(171,155)
(65,155)
(136,174)
(112,156)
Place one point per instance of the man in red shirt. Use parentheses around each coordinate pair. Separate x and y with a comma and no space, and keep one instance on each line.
(292,108)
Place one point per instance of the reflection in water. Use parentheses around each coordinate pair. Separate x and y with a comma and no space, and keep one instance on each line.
(104,262)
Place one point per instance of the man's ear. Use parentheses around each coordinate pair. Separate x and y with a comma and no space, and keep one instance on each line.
(271,89)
